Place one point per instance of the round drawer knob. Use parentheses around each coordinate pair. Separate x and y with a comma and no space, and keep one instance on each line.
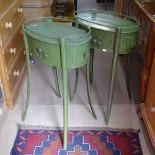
(1,43)
(98,43)
(153,109)
(8,25)
(16,73)
(86,55)
(21,31)
(12,50)
(104,50)
(94,41)
(20,10)
(46,55)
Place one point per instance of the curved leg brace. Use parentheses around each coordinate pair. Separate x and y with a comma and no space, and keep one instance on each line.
(56,81)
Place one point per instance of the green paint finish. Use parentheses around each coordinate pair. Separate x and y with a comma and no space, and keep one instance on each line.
(53,31)
(49,53)
(58,45)
(112,33)
(44,43)
(104,41)
(107,19)
(56,81)
(103,28)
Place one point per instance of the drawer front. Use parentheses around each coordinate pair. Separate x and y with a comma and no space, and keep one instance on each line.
(16,71)
(36,2)
(4,5)
(10,22)
(150,97)
(37,12)
(12,49)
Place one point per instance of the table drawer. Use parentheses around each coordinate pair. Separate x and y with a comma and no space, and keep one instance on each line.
(4,5)
(13,47)
(16,71)
(10,21)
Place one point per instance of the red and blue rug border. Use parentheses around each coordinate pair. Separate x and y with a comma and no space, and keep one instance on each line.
(24,131)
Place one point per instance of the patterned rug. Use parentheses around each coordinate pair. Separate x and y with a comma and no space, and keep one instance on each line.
(105,141)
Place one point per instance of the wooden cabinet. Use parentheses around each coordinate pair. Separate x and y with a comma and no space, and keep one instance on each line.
(63,9)
(147,109)
(144,11)
(37,8)
(12,58)
(1,93)
(105,1)
(118,6)
(146,45)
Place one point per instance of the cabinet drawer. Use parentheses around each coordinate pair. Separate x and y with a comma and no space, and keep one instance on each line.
(150,97)
(35,2)
(13,47)
(16,71)
(10,21)
(4,5)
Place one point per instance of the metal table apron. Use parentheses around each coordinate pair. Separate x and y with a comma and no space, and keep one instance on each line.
(110,32)
(58,45)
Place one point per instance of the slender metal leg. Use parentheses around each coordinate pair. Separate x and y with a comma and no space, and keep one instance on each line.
(113,74)
(91,66)
(128,69)
(89,90)
(28,79)
(56,81)
(76,84)
(65,92)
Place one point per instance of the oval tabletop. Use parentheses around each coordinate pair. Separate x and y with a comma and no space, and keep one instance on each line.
(107,20)
(54,31)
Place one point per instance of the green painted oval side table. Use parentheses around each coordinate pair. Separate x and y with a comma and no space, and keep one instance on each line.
(59,45)
(111,33)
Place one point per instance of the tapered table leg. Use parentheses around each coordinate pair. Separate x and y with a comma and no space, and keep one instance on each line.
(28,79)
(113,74)
(65,92)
